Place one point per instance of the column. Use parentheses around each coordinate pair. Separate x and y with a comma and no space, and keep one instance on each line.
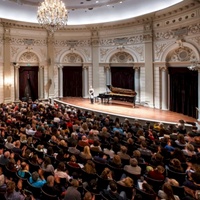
(50,56)
(164,96)
(7,66)
(107,68)
(137,83)
(198,116)
(61,81)
(95,60)
(41,82)
(149,80)
(85,81)
(16,68)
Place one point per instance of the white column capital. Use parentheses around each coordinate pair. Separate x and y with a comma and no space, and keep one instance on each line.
(136,68)
(107,67)
(163,68)
(60,66)
(41,67)
(85,67)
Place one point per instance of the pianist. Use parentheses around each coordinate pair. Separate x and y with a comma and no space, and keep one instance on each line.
(91,93)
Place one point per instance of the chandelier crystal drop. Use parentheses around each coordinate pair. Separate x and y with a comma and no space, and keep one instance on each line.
(52,14)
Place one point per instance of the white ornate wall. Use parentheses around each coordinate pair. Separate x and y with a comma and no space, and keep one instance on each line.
(172,36)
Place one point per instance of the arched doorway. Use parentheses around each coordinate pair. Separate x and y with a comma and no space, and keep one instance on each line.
(27,86)
(72,75)
(183,96)
(122,72)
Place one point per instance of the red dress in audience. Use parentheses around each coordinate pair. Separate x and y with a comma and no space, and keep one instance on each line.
(156,175)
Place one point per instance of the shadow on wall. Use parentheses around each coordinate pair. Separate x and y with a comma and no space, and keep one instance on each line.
(48,85)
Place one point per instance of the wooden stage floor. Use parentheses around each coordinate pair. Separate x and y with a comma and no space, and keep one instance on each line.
(126,109)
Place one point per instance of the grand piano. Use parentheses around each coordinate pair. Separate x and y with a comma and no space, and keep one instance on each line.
(116,93)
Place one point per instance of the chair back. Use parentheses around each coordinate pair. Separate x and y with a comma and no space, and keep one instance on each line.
(99,166)
(116,171)
(145,195)
(135,177)
(102,183)
(179,191)
(180,177)
(86,177)
(127,190)
(35,190)
(156,184)
(45,196)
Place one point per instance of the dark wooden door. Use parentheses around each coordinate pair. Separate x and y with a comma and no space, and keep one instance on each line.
(28,83)
(183,90)
(122,77)
(72,81)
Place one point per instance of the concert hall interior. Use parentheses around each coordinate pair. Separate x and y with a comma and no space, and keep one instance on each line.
(106,80)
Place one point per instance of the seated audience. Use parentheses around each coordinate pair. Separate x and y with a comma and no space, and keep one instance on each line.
(133,168)
(167,192)
(72,191)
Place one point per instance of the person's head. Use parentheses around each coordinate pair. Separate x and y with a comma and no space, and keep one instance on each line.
(73,158)
(86,150)
(24,166)
(6,154)
(117,160)
(181,139)
(35,176)
(50,180)
(9,139)
(47,161)
(105,173)
(90,167)
(61,166)
(75,183)
(87,196)
(147,188)
(160,169)
(190,147)
(168,190)
(123,149)
(113,186)
(133,162)
(128,181)
(176,162)
(10,187)
(136,154)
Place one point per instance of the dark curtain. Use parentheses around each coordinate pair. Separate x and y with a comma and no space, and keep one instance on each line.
(72,81)
(122,77)
(28,83)
(183,90)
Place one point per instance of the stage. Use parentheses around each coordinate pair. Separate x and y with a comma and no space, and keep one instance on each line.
(126,109)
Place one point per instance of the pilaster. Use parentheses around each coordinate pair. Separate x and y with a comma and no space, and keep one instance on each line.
(7,66)
(164,83)
(50,58)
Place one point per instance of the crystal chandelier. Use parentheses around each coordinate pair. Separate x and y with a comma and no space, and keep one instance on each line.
(195,65)
(52,14)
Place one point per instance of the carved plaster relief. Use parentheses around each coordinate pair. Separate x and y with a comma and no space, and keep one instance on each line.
(196,40)
(67,43)
(140,51)
(57,51)
(122,41)
(14,51)
(181,54)
(121,57)
(72,58)
(103,52)
(29,57)
(23,41)
(159,49)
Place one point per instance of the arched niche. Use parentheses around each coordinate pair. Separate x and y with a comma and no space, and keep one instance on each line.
(122,58)
(73,58)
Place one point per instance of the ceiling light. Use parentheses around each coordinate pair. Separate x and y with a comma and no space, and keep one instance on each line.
(52,14)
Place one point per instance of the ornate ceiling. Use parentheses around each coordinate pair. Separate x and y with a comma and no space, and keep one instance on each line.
(85,11)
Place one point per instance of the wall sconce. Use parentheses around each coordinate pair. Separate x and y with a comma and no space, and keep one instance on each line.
(7,82)
(195,65)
